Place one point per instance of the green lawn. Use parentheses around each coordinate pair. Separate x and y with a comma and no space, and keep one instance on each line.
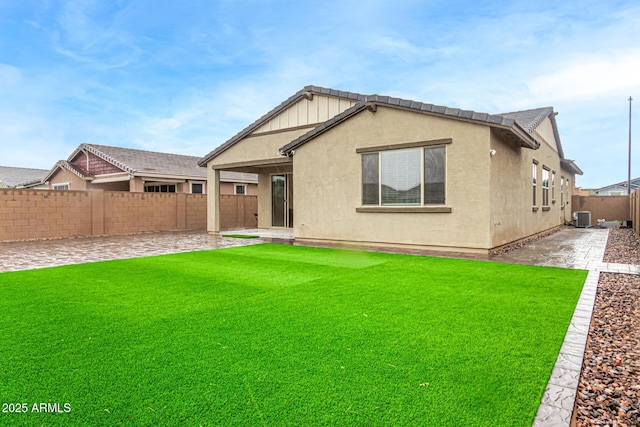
(282,335)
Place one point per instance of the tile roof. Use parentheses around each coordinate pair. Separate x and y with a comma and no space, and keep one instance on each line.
(305,91)
(515,126)
(142,162)
(529,120)
(508,126)
(635,184)
(13,177)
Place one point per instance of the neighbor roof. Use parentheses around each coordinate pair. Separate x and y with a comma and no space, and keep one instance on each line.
(635,184)
(148,163)
(14,177)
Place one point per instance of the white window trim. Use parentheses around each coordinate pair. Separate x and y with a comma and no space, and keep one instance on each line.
(545,203)
(62,184)
(235,189)
(204,187)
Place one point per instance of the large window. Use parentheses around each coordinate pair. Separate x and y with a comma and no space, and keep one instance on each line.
(545,187)
(406,177)
(61,186)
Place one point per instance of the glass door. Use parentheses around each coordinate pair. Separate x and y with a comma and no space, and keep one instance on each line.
(281,201)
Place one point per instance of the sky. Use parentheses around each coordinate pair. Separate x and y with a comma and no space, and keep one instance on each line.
(183,77)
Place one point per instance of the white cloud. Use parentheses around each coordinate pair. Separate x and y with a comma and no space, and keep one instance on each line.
(588,76)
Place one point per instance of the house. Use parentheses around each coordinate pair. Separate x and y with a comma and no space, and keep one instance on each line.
(12,177)
(618,189)
(381,171)
(93,166)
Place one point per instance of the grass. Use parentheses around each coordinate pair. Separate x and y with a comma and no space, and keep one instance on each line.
(283,335)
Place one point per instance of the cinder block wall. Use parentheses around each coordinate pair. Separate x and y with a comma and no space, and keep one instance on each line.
(238,212)
(38,214)
(611,208)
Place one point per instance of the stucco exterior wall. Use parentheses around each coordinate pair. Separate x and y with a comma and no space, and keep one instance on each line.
(63,176)
(512,212)
(255,148)
(327,189)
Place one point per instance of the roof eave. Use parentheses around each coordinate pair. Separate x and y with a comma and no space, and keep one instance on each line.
(305,92)
(570,166)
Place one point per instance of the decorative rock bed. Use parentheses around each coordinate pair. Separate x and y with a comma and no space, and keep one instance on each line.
(609,387)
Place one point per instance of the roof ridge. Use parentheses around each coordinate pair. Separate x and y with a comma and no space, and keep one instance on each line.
(277,109)
(106,157)
(140,150)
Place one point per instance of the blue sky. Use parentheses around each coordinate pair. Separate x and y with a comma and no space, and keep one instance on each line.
(184,77)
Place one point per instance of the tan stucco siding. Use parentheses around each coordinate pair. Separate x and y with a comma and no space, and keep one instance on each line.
(63,176)
(256,148)
(544,132)
(327,177)
(512,213)
(306,112)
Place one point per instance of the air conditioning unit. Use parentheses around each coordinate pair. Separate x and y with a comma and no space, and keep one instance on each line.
(582,219)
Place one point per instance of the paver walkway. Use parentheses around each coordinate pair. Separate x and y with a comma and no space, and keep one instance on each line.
(49,253)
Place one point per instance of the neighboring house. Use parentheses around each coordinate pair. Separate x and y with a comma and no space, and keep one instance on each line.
(344,167)
(92,166)
(11,177)
(618,189)
(580,191)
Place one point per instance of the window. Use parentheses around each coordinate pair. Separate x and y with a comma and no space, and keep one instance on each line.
(553,187)
(60,186)
(197,188)
(535,181)
(240,189)
(404,177)
(562,192)
(164,188)
(545,187)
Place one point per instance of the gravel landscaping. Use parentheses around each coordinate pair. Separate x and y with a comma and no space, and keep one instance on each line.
(609,388)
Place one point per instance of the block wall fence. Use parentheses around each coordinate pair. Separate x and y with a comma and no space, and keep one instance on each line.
(43,214)
(610,208)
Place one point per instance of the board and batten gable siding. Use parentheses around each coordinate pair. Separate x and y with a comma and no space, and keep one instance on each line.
(306,112)
(328,184)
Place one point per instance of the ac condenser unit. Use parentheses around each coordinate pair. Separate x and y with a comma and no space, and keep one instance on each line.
(582,219)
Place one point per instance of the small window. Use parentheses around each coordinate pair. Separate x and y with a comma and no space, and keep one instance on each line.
(197,188)
(61,186)
(535,182)
(164,188)
(562,191)
(553,186)
(545,186)
(240,189)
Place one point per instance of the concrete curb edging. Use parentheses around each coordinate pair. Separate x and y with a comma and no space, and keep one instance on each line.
(559,397)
